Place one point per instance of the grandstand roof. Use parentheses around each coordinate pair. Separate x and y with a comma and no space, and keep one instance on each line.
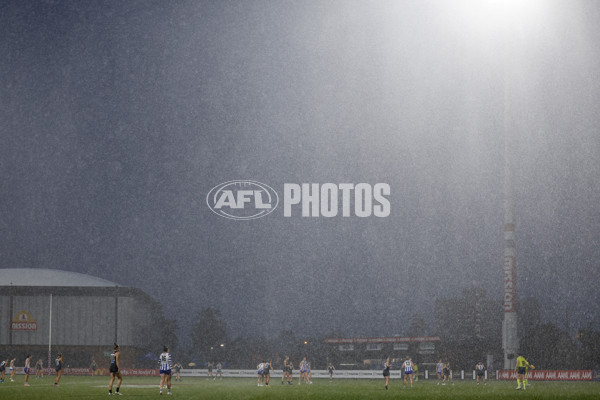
(49,278)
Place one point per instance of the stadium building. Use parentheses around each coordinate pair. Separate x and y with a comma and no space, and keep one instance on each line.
(79,315)
(370,353)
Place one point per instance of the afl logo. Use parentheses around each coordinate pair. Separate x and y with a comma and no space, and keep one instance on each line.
(242,199)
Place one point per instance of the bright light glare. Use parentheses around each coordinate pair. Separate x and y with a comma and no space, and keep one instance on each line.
(484,15)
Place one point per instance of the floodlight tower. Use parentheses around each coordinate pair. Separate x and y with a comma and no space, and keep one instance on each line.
(510,340)
(506,20)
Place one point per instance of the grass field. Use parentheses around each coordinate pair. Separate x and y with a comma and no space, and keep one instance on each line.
(77,387)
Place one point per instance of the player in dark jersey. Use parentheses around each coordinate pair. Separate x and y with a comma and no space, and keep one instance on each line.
(330,368)
(58,366)
(285,369)
(267,372)
(480,371)
(219,373)
(178,368)
(3,365)
(386,372)
(447,374)
(209,373)
(114,370)
(290,372)
(39,368)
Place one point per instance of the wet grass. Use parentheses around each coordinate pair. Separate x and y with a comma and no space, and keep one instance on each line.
(77,387)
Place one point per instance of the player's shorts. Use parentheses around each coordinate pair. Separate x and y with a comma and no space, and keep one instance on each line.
(447,372)
(2,368)
(113,369)
(209,369)
(58,368)
(386,372)
(408,372)
(521,370)
(260,371)
(27,370)
(165,371)
(480,373)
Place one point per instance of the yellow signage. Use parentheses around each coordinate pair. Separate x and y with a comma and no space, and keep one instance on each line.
(23,321)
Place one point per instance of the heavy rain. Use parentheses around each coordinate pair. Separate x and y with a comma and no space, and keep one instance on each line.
(118,119)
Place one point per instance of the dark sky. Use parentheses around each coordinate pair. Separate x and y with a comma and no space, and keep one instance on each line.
(118,117)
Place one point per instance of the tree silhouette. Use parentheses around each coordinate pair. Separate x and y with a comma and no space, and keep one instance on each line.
(209,333)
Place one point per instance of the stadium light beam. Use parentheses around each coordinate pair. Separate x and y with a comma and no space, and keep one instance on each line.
(508,21)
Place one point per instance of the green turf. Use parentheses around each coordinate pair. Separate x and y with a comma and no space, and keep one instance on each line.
(76,387)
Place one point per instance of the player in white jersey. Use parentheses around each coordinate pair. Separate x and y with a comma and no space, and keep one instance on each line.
(408,366)
(27,369)
(303,371)
(439,368)
(260,369)
(12,369)
(166,365)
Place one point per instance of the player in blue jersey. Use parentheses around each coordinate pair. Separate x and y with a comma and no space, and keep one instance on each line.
(408,368)
(27,369)
(114,370)
(166,365)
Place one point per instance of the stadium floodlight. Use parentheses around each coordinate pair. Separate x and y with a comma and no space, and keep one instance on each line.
(485,15)
(508,22)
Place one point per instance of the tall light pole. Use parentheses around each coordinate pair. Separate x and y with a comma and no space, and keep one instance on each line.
(510,340)
(506,18)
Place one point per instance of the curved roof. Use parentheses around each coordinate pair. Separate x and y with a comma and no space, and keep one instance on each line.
(49,278)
